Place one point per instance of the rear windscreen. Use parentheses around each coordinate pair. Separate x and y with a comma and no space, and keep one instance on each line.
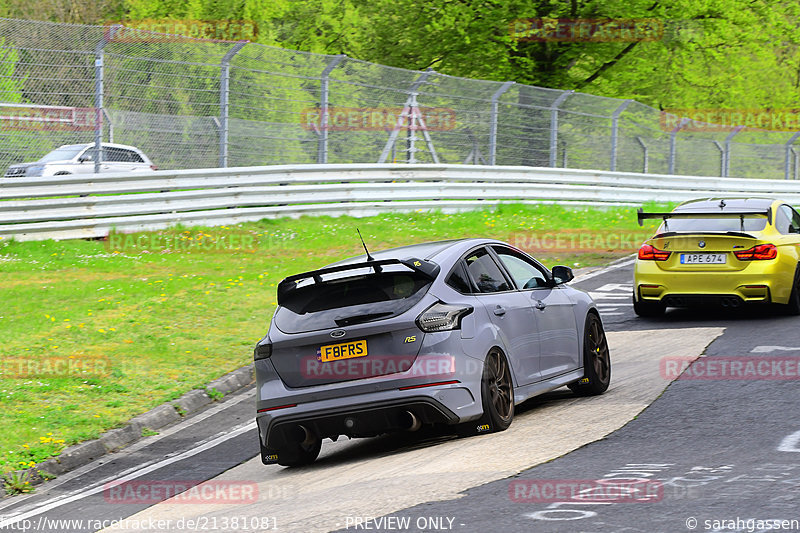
(713,224)
(350,300)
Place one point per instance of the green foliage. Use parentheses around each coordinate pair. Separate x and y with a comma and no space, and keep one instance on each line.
(17,482)
(215,395)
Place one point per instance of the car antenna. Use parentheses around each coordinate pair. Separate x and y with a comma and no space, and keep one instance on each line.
(369,257)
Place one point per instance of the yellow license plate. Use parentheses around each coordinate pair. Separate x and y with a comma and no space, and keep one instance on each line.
(345,350)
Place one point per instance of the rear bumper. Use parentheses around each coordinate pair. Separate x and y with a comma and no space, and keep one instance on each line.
(756,284)
(362,420)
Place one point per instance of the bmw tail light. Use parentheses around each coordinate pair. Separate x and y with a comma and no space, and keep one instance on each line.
(760,252)
(442,317)
(650,253)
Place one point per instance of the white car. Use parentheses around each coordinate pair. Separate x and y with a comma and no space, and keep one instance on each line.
(79,159)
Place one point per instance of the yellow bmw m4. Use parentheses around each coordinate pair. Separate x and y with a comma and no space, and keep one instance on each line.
(720,251)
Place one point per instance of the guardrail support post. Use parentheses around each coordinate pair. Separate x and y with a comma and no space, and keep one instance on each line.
(672,137)
(727,156)
(493,124)
(554,126)
(614,132)
(788,149)
(224,91)
(322,147)
(99,71)
(644,152)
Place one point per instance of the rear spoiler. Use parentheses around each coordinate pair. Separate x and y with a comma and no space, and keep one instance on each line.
(740,214)
(422,266)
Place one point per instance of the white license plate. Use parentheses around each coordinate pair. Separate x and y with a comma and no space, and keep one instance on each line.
(703,259)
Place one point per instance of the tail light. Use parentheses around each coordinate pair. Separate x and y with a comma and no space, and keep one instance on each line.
(442,317)
(262,351)
(153,167)
(651,253)
(760,252)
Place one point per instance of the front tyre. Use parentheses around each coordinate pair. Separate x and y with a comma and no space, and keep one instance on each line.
(596,360)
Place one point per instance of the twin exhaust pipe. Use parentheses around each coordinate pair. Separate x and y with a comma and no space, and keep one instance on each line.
(408,421)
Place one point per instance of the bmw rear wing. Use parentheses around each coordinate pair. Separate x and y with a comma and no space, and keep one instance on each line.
(427,268)
(741,214)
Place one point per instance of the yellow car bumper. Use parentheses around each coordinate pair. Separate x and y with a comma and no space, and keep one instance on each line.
(758,281)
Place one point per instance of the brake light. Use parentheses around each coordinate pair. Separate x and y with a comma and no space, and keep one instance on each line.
(153,167)
(262,351)
(442,317)
(651,253)
(760,252)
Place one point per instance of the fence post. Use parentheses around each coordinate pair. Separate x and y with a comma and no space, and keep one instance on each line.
(99,72)
(788,148)
(554,126)
(721,157)
(644,151)
(727,156)
(322,147)
(614,131)
(493,124)
(796,162)
(672,137)
(224,84)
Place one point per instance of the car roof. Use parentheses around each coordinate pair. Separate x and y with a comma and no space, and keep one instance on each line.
(110,145)
(704,204)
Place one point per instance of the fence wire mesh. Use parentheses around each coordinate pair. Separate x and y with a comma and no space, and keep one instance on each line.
(194,103)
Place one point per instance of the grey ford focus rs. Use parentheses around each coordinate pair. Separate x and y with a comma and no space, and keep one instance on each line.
(452,332)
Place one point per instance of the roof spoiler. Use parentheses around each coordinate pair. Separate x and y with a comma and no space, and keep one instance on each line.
(741,214)
(422,266)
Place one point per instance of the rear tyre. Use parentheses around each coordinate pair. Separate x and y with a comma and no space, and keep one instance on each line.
(596,360)
(647,309)
(301,453)
(793,306)
(497,394)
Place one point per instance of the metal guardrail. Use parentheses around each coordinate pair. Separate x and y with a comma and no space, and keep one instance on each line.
(64,207)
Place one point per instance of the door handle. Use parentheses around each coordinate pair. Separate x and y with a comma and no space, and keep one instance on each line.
(499,310)
(540,304)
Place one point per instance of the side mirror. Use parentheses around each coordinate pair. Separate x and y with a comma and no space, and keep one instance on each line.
(562,274)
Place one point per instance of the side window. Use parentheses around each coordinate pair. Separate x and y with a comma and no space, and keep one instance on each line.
(115,155)
(783,219)
(526,274)
(485,273)
(795,220)
(458,279)
(131,156)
